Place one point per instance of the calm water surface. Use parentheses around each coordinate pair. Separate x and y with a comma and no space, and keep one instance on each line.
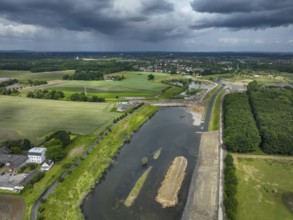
(170,129)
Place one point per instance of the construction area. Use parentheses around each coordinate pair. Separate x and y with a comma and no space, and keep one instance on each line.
(202,202)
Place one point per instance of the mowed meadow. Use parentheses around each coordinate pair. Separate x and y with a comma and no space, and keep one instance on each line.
(33,118)
(136,84)
(265,188)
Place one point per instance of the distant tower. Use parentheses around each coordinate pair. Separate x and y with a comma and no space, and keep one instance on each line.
(77,58)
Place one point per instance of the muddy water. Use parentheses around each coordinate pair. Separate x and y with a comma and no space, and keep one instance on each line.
(11,208)
(170,129)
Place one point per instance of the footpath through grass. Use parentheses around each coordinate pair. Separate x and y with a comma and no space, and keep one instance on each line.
(64,202)
(262,185)
(214,122)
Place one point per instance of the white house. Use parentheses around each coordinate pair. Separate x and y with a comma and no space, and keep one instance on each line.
(47,165)
(37,155)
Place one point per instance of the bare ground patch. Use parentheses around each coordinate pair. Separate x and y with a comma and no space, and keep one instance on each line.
(168,192)
(76,151)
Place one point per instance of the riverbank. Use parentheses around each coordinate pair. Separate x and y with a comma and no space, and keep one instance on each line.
(202,202)
(170,130)
(65,202)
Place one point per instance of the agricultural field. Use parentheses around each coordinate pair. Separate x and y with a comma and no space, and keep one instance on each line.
(265,189)
(25,75)
(33,118)
(136,84)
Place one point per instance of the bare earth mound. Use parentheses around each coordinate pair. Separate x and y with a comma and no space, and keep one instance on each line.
(168,192)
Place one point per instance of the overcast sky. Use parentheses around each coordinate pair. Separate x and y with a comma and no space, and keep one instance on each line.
(147,25)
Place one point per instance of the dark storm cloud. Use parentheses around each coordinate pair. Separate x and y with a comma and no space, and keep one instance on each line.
(230,6)
(68,14)
(244,13)
(156,7)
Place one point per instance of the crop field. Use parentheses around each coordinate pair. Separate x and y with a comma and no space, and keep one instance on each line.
(32,118)
(25,75)
(136,84)
(265,188)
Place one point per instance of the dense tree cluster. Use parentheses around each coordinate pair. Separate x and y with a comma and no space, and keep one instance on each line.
(97,70)
(83,98)
(34,82)
(63,136)
(273,110)
(17,146)
(8,82)
(56,144)
(85,75)
(5,91)
(151,76)
(115,77)
(240,131)
(230,188)
(45,94)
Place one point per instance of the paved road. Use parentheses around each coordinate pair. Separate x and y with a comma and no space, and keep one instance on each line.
(203,198)
(202,202)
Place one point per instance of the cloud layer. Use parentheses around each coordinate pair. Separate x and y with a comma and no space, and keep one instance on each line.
(144,24)
(244,13)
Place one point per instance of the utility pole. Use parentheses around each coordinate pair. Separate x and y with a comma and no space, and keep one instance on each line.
(85,92)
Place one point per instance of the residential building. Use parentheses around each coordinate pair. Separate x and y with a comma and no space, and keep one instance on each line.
(47,165)
(37,155)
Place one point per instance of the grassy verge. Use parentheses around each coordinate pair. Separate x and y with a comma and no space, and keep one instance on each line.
(64,202)
(263,185)
(207,100)
(214,122)
(74,150)
(136,189)
(210,94)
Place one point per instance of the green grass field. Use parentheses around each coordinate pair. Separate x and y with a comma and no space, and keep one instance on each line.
(262,184)
(25,75)
(32,118)
(136,84)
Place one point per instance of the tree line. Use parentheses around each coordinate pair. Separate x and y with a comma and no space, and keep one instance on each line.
(230,188)
(273,111)
(261,117)
(46,94)
(82,97)
(240,131)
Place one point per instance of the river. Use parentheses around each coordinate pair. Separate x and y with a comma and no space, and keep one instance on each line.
(170,129)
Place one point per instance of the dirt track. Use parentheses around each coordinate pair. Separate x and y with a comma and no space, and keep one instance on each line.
(202,202)
(168,192)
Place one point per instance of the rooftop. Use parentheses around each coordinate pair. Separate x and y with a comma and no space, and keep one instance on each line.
(37,150)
